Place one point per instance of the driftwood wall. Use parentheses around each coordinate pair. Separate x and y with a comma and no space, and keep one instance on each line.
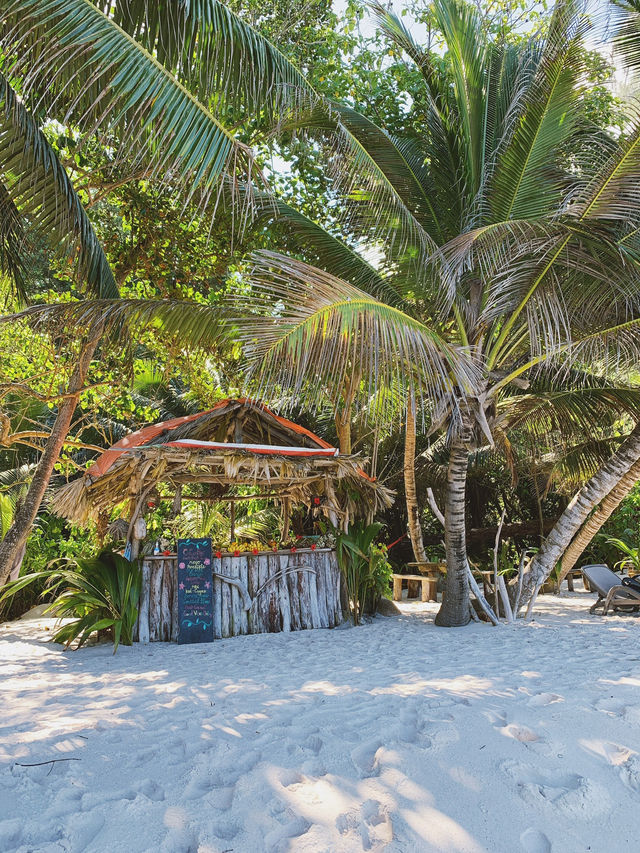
(288,592)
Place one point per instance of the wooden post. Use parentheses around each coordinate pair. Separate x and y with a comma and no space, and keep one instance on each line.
(286,510)
(177,502)
(425,589)
(397,588)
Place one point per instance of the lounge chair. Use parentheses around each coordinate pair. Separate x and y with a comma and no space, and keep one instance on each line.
(612,594)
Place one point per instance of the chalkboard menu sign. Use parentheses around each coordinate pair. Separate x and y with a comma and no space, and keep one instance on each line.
(195,591)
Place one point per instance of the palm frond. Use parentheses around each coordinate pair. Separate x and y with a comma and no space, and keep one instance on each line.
(78,64)
(626,35)
(212,51)
(575,411)
(37,185)
(196,324)
(611,195)
(314,327)
(468,55)
(527,183)
(12,244)
(331,253)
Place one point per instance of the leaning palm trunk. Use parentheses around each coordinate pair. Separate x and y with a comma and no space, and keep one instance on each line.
(575,515)
(13,543)
(411,497)
(595,521)
(454,611)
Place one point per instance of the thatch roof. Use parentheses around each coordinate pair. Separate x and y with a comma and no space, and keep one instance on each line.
(238,442)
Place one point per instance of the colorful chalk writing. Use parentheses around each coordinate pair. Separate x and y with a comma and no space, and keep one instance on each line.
(195,591)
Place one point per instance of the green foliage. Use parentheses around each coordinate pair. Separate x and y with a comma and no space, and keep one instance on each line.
(381,572)
(364,566)
(99,594)
(631,559)
(624,526)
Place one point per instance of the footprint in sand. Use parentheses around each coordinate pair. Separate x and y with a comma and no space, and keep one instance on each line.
(437,735)
(518,732)
(365,758)
(535,841)
(279,839)
(626,761)
(515,731)
(82,829)
(10,833)
(541,700)
(370,822)
(578,797)
(630,772)
(289,777)
(226,829)
(616,708)
(150,789)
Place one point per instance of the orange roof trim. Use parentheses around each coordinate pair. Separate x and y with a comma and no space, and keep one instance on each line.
(147,434)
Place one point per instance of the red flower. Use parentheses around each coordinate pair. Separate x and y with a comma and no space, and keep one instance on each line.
(298,536)
(218,554)
(293,549)
(313,546)
(166,553)
(236,553)
(254,551)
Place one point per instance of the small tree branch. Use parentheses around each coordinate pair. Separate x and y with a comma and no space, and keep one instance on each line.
(435,509)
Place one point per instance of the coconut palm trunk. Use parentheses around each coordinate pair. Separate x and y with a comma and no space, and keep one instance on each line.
(595,521)
(575,515)
(15,540)
(343,430)
(411,496)
(454,611)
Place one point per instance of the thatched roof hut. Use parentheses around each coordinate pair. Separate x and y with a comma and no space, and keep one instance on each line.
(237,442)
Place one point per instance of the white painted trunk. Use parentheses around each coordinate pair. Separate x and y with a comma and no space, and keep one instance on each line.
(575,515)
(595,521)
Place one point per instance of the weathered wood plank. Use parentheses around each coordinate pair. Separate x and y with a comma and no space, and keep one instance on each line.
(294,594)
(155,601)
(313,595)
(283,596)
(174,601)
(166,599)
(302,578)
(244,579)
(143,614)
(253,584)
(226,598)
(217,599)
(262,604)
(236,598)
(317,562)
(272,592)
(336,579)
(324,569)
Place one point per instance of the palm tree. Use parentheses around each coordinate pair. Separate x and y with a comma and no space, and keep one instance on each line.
(161,83)
(508,230)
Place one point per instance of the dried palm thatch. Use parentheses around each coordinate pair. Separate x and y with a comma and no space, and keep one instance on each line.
(175,453)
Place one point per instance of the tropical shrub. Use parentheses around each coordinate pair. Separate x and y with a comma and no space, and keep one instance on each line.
(364,567)
(99,594)
(631,558)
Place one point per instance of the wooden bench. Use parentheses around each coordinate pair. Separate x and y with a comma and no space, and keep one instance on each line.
(429,586)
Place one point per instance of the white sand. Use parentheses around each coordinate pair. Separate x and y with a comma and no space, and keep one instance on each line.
(395,736)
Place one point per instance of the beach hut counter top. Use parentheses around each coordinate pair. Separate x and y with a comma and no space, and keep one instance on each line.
(238,442)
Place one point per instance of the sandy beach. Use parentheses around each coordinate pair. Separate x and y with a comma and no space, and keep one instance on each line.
(394,736)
